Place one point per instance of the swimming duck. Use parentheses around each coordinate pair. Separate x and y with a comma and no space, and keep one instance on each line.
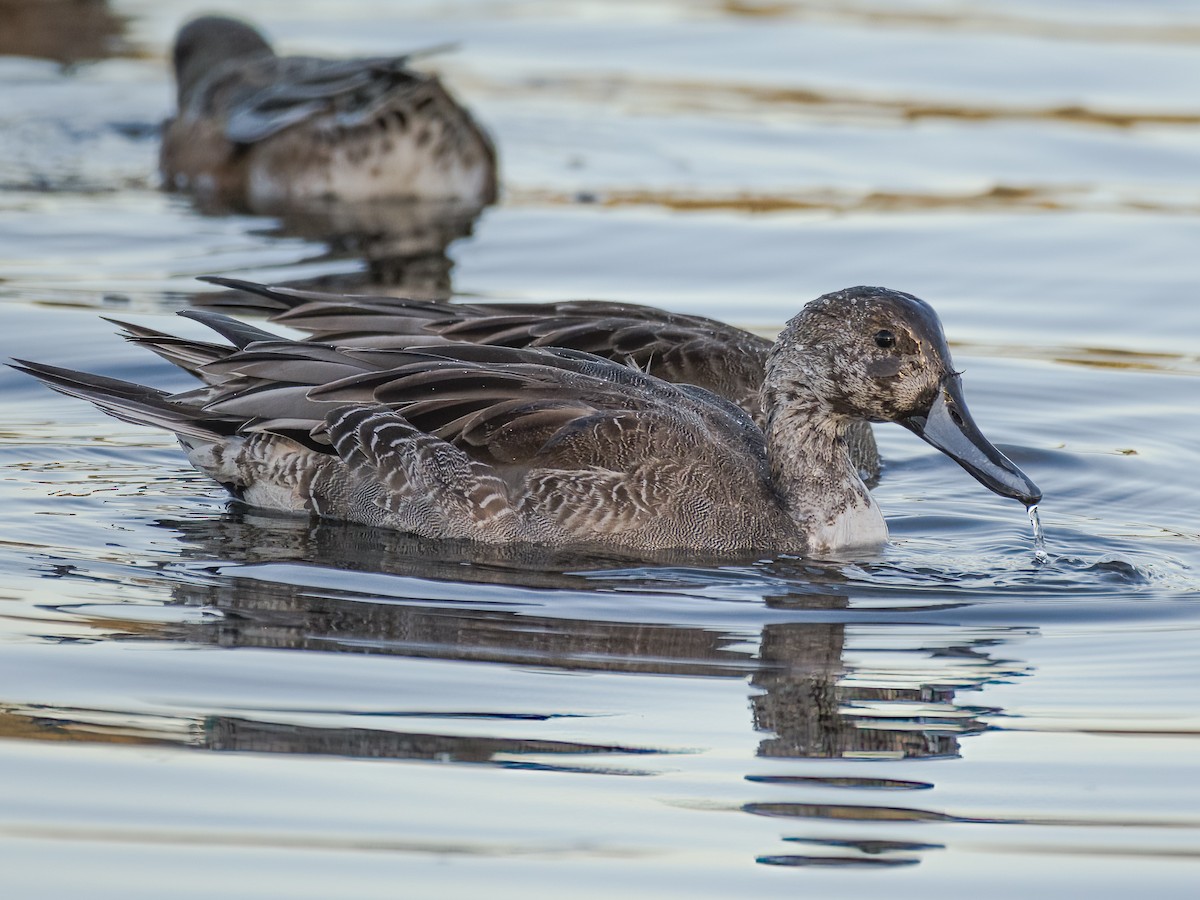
(683,349)
(263,131)
(559,447)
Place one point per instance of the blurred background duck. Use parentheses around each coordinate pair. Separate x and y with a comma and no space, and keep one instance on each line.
(262,131)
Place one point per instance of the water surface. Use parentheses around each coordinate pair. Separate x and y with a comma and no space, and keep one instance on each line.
(197,698)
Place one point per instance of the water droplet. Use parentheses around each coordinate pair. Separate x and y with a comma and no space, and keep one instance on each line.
(1039,536)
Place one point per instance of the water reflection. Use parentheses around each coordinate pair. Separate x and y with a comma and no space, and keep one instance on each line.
(402,243)
(66,31)
(957,18)
(231,733)
(824,684)
(649,94)
(819,704)
(830,687)
(814,705)
(823,708)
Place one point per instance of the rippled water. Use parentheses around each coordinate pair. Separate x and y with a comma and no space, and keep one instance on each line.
(197,698)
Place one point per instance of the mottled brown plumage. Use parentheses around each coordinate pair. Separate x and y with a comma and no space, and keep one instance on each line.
(560,447)
(264,131)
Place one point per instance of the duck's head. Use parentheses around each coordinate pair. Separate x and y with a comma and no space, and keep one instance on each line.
(206,42)
(881,355)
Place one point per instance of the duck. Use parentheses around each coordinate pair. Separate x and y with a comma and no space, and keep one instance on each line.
(678,347)
(558,447)
(265,132)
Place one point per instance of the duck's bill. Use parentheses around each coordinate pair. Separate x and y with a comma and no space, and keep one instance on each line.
(949,427)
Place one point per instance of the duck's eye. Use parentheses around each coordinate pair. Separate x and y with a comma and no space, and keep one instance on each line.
(885,339)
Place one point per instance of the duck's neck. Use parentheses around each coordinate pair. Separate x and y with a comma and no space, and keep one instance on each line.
(810,463)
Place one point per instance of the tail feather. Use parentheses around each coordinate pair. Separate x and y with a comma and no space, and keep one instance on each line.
(133,403)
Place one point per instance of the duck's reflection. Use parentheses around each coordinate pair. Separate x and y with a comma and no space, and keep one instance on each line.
(402,244)
(246,734)
(858,716)
(823,685)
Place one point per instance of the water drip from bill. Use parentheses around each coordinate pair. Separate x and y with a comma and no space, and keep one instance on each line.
(1039,536)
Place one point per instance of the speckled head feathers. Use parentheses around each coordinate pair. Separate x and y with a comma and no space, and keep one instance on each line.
(865,351)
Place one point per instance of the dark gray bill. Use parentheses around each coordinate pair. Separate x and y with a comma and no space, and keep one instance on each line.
(949,427)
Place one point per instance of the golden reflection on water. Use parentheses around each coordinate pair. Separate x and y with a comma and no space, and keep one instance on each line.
(243,734)
(961,18)
(66,31)
(998,198)
(647,94)
(32,722)
(1089,357)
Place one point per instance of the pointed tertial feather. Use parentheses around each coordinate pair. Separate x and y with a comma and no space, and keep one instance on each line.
(352,90)
(360,388)
(252,124)
(288,361)
(264,298)
(353,342)
(304,78)
(397,316)
(274,297)
(481,327)
(185,353)
(238,333)
(270,401)
(431,50)
(465,383)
